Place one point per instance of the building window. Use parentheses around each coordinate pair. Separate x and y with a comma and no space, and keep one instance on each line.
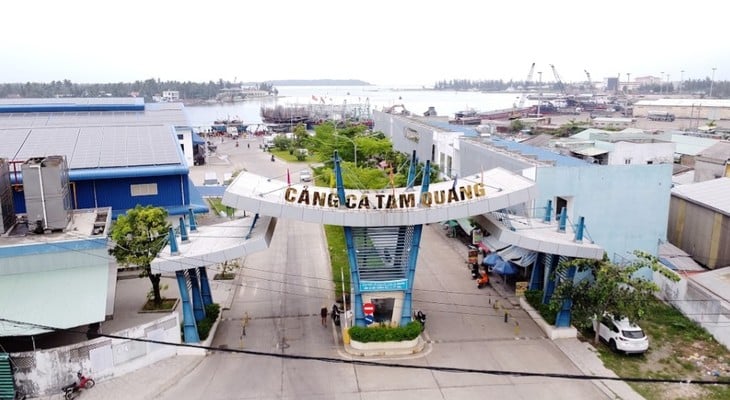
(144,189)
(627,161)
(180,136)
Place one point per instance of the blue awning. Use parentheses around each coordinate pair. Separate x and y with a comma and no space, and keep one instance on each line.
(491,259)
(197,139)
(504,268)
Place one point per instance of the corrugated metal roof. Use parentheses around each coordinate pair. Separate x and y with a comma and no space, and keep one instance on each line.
(590,151)
(94,147)
(540,153)
(94,139)
(714,194)
(691,145)
(719,151)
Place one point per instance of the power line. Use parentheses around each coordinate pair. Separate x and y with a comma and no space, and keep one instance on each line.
(389,365)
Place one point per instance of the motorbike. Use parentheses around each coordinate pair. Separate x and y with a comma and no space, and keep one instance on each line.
(421,318)
(73,389)
(474,271)
(483,280)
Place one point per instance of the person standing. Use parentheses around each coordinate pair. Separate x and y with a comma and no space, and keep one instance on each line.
(323,313)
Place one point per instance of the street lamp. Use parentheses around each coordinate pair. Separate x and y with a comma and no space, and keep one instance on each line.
(712,80)
(351,141)
(681,81)
(669,83)
(539,99)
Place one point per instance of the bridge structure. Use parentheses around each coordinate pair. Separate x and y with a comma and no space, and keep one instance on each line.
(382,226)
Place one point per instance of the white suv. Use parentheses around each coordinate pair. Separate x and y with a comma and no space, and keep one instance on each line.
(622,335)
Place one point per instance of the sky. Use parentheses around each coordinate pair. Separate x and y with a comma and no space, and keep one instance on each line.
(384,42)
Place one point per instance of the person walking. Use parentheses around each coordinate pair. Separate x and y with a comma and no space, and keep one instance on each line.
(323,313)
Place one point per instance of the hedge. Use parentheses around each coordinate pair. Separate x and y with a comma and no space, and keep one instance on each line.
(381,333)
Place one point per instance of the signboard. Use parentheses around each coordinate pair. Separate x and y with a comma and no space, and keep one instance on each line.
(369,319)
(476,236)
(520,288)
(368,308)
(383,286)
(473,256)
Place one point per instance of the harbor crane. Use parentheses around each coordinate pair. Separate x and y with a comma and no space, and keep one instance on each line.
(590,83)
(527,82)
(518,108)
(559,82)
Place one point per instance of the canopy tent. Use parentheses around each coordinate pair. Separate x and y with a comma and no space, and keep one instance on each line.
(197,139)
(491,259)
(519,256)
(504,268)
(489,244)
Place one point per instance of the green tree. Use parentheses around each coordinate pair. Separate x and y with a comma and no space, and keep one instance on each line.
(300,136)
(138,237)
(282,142)
(516,125)
(609,288)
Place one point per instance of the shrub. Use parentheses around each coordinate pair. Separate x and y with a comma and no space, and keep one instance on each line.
(534,298)
(381,333)
(211,315)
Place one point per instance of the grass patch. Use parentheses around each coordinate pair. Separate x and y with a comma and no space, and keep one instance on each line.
(167,305)
(338,258)
(678,349)
(216,204)
(286,156)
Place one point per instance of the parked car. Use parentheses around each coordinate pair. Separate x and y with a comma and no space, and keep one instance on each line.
(622,334)
(305,175)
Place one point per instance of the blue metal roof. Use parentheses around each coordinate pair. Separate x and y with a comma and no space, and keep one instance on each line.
(542,154)
(197,139)
(211,191)
(71,105)
(465,129)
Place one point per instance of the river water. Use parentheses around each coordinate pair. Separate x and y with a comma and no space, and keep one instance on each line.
(414,100)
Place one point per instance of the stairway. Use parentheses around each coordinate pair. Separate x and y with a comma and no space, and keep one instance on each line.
(7,385)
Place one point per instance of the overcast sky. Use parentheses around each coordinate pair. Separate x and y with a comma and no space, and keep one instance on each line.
(384,42)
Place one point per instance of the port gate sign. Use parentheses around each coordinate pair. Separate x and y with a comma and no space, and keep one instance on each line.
(368,308)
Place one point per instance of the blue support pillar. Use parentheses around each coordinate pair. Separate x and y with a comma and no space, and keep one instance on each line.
(579,229)
(536,278)
(549,279)
(205,286)
(412,171)
(183,231)
(190,328)
(173,242)
(563,220)
(193,223)
(197,298)
(548,211)
(356,299)
(562,320)
(415,247)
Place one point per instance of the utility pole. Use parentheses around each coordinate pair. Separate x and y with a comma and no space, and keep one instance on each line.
(661,84)
(628,82)
(712,80)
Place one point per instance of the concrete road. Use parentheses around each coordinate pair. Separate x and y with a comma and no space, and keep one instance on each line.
(281,290)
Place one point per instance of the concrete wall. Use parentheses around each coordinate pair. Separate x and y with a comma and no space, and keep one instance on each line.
(700,231)
(708,168)
(406,135)
(476,157)
(44,372)
(698,111)
(698,304)
(625,206)
(642,153)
